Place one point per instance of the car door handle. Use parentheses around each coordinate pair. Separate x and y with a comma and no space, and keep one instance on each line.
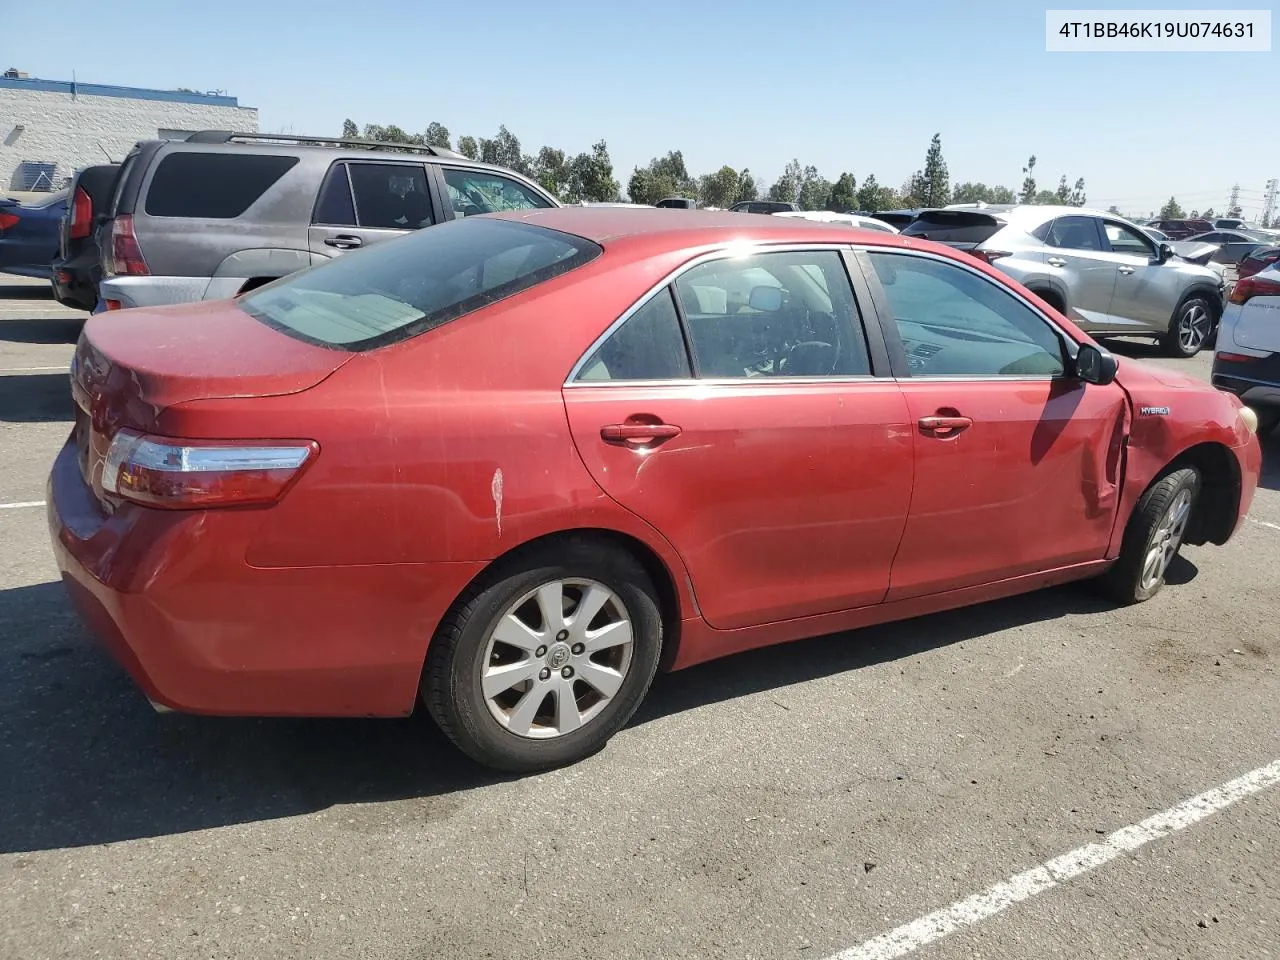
(1125,270)
(343,242)
(639,433)
(943,426)
(1056,262)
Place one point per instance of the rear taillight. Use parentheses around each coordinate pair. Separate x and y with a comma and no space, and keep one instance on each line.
(1253,264)
(990,256)
(81,215)
(1236,357)
(126,255)
(1254,286)
(201,474)
(8,220)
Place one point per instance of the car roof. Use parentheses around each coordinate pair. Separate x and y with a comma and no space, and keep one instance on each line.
(670,227)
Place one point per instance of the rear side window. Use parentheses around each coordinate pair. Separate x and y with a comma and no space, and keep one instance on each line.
(960,228)
(212,186)
(648,346)
(393,291)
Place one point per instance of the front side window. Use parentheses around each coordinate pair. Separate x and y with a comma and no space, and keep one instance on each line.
(953,322)
(783,314)
(1126,240)
(212,186)
(479,191)
(393,291)
(390,196)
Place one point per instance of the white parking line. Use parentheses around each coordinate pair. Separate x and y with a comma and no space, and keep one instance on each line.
(22,503)
(65,366)
(1263,523)
(1051,873)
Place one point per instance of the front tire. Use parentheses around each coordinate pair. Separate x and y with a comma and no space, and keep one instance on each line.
(1153,537)
(544,660)
(1190,329)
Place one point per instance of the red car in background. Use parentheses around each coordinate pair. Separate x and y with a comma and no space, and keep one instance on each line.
(1181,229)
(512,465)
(1258,260)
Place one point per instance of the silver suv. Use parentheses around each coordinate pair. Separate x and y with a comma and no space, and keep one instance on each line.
(219,213)
(1103,272)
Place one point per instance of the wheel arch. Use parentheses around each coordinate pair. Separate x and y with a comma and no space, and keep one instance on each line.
(1201,288)
(1217,507)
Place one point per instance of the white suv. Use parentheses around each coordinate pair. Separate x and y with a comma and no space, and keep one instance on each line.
(1247,359)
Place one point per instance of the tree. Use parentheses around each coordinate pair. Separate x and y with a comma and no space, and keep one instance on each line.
(869,194)
(1194,214)
(1077,197)
(720,189)
(468,147)
(815,190)
(746,186)
(437,135)
(1063,193)
(786,189)
(971,193)
(1113,210)
(591,175)
(935,181)
(913,190)
(504,151)
(1028,194)
(844,195)
(1003,195)
(1045,198)
(551,170)
(663,177)
(349,130)
(1171,210)
(1209,214)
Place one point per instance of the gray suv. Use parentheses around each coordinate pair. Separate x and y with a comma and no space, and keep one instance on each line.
(1103,272)
(219,213)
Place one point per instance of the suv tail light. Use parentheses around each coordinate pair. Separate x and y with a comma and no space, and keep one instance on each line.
(1254,286)
(200,474)
(8,220)
(990,256)
(126,255)
(81,214)
(1254,263)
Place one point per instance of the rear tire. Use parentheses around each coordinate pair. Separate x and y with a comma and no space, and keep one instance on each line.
(1191,328)
(1152,538)
(519,682)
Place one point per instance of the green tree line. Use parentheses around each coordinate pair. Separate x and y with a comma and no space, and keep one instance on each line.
(589,176)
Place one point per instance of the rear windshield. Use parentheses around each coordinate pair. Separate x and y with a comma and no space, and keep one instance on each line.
(956,227)
(401,288)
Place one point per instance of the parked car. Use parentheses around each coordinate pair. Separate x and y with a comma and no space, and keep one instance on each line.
(1247,359)
(1101,271)
(846,219)
(896,218)
(763,206)
(489,467)
(677,203)
(1233,245)
(1229,223)
(29,234)
(77,270)
(1159,236)
(1181,229)
(218,214)
(1259,259)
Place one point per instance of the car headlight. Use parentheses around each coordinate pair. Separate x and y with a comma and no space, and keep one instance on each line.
(1250,419)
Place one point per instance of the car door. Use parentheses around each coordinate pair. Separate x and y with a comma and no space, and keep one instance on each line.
(736,410)
(1086,270)
(1017,461)
(474,190)
(1146,290)
(363,202)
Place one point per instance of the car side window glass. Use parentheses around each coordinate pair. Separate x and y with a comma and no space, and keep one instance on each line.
(953,322)
(1074,233)
(479,191)
(1128,241)
(783,314)
(647,346)
(334,206)
(390,195)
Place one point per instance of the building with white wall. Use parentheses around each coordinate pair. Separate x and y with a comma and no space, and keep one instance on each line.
(50,128)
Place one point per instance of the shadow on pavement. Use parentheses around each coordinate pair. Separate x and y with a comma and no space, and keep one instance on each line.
(51,330)
(87,761)
(35,398)
(27,291)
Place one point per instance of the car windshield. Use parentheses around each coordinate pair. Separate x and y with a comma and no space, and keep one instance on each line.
(401,288)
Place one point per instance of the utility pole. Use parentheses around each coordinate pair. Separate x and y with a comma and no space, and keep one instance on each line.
(1269,203)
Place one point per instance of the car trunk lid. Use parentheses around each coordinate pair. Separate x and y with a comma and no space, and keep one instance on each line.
(961,229)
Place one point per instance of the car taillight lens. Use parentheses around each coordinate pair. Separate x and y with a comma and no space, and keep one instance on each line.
(8,220)
(81,215)
(126,255)
(1254,287)
(201,474)
(1253,264)
(990,256)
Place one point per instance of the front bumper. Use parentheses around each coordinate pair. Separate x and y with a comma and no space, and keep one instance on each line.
(1256,381)
(201,631)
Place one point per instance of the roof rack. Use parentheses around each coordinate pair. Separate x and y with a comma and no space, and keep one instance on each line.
(227,136)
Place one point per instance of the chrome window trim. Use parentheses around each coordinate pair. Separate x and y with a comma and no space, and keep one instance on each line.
(728,252)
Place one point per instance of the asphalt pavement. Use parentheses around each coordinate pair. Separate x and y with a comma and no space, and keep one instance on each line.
(905,790)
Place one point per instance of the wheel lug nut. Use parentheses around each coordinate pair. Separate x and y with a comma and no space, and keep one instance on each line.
(577,649)
(567,672)
(562,636)
(544,674)
(540,652)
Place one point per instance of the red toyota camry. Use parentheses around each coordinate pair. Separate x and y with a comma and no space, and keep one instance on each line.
(512,465)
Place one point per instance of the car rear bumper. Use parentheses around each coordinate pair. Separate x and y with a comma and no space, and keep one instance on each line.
(75,281)
(128,292)
(1255,381)
(202,631)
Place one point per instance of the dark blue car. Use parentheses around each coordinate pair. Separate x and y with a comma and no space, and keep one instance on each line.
(29,234)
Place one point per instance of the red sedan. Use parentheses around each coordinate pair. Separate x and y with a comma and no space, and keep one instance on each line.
(513,464)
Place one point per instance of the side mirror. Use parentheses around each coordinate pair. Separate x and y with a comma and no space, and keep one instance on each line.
(1166,253)
(1095,365)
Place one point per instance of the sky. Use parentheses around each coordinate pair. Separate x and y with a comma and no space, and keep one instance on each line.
(852,85)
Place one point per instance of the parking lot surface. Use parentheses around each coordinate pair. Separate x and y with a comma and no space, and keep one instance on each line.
(801,801)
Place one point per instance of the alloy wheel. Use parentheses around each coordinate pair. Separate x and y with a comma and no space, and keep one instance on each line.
(1193,328)
(1166,540)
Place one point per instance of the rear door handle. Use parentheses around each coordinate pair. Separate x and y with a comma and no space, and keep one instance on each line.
(1056,262)
(343,242)
(636,433)
(941,426)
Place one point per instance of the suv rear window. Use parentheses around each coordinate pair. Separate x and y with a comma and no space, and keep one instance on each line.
(393,291)
(957,227)
(212,186)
